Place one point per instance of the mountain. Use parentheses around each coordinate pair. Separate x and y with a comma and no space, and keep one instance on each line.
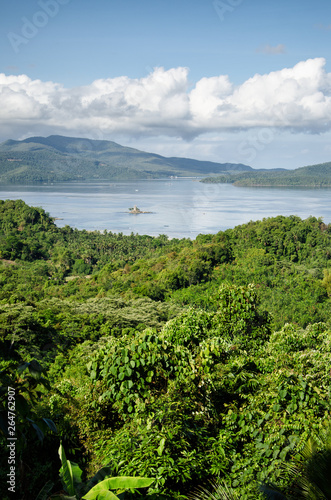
(312,176)
(58,158)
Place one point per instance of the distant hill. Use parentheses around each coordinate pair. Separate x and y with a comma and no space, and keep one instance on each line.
(58,158)
(314,176)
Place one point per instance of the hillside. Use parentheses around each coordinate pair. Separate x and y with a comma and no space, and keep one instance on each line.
(58,158)
(183,361)
(315,176)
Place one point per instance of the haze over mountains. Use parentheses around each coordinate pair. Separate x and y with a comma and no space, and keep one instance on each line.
(58,158)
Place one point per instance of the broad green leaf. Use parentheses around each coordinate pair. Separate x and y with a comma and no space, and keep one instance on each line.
(36,427)
(22,367)
(50,424)
(161,447)
(35,369)
(76,473)
(115,483)
(66,473)
(100,495)
(99,476)
(283,394)
(22,406)
(70,472)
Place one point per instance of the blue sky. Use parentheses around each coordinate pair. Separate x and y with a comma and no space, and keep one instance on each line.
(224,80)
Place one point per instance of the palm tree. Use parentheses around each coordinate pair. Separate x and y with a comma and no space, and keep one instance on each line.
(310,474)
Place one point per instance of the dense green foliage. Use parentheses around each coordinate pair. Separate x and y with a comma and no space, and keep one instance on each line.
(313,176)
(57,158)
(182,361)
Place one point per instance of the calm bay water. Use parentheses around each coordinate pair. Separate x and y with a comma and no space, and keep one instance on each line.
(181,208)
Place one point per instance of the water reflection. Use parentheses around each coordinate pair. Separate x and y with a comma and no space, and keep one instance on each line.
(181,207)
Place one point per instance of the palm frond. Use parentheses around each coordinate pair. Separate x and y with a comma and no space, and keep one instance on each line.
(271,492)
(217,491)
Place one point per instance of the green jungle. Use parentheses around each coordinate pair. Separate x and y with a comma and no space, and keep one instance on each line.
(142,367)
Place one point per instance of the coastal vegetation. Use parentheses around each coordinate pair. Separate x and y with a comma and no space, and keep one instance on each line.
(313,176)
(182,361)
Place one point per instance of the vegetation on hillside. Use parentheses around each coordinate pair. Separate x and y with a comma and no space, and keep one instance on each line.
(313,176)
(58,158)
(177,360)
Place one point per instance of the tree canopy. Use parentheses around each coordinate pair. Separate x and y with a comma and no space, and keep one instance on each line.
(177,360)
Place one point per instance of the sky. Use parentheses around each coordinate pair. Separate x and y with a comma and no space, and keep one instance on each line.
(243,81)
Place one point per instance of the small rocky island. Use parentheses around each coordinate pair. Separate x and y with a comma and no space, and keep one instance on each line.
(136,210)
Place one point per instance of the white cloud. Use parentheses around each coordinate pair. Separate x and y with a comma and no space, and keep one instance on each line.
(164,103)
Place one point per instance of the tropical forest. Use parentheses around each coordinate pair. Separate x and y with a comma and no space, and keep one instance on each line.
(140,367)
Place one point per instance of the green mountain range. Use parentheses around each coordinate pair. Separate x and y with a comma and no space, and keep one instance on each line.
(58,158)
(312,176)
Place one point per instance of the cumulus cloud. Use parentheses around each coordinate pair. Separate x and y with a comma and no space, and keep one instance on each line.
(165,103)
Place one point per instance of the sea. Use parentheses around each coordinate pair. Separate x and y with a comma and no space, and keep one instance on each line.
(178,207)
